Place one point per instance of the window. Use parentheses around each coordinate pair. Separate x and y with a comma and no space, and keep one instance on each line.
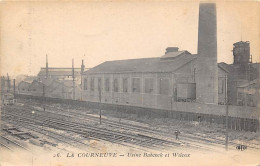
(220,86)
(125,84)
(107,85)
(115,85)
(85,84)
(148,85)
(92,84)
(136,85)
(99,84)
(164,86)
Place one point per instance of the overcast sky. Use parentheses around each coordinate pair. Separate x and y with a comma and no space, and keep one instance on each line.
(99,32)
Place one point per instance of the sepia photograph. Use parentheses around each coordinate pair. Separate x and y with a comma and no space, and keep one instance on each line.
(123,83)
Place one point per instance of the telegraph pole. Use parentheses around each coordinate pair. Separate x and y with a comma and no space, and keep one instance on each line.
(81,73)
(47,67)
(73,77)
(8,83)
(43,94)
(226,102)
(99,91)
(14,88)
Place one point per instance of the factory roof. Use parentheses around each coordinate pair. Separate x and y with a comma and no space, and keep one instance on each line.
(174,54)
(157,64)
(248,83)
(59,71)
(225,66)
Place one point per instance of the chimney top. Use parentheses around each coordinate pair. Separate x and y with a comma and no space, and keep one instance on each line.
(171,49)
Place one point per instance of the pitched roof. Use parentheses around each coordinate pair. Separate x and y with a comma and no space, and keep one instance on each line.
(174,54)
(59,71)
(256,81)
(225,67)
(142,65)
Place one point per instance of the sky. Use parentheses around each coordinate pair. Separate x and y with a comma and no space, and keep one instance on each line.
(103,31)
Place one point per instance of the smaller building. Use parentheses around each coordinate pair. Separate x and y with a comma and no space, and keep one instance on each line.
(23,87)
(63,89)
(59,73)
(51,88)
(248,93)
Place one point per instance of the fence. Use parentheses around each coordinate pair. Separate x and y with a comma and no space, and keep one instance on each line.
(240,118)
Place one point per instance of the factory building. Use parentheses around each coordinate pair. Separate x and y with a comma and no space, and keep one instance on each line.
(158,82)
(64,83)
(242,72)
(248,93)
(150,82)
(69,73)
(177,76)
(59,73)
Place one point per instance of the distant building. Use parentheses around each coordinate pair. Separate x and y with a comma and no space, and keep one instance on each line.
(62,83)
(23,87)
(50,88)
(63,89)
(248,93)
(241,72)
(59,73)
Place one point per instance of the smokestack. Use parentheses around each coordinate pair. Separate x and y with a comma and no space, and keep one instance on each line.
(82,66)
(207,69)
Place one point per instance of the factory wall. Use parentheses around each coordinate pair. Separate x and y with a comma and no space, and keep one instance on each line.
(172,83)
(150,89)
(221,86)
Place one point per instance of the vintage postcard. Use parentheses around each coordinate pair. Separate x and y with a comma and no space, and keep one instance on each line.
(122,83)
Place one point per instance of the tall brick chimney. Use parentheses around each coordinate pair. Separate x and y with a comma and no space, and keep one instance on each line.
(207,69)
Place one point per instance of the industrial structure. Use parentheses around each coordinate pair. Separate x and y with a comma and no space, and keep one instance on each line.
(177,75)
(157,82)
(206,64)
(189,86)
(62,83)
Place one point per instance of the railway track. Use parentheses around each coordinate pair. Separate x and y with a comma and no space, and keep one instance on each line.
(150,143)
(90,131)
(11,144)
(188,138)
(6,147)
(185,136)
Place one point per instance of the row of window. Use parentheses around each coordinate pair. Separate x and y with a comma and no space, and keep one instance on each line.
(164,85)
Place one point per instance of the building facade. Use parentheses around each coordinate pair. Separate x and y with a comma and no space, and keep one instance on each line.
(149,82)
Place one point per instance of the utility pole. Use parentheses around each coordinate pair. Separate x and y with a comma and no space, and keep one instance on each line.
(81,73)
(47,67)
(171,103)
(43,94)
(14,88)
(226,102)
(73,77)
(99,91)
(8,83)
(63,89)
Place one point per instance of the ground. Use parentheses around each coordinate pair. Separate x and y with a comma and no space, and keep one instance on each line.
(199,142)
